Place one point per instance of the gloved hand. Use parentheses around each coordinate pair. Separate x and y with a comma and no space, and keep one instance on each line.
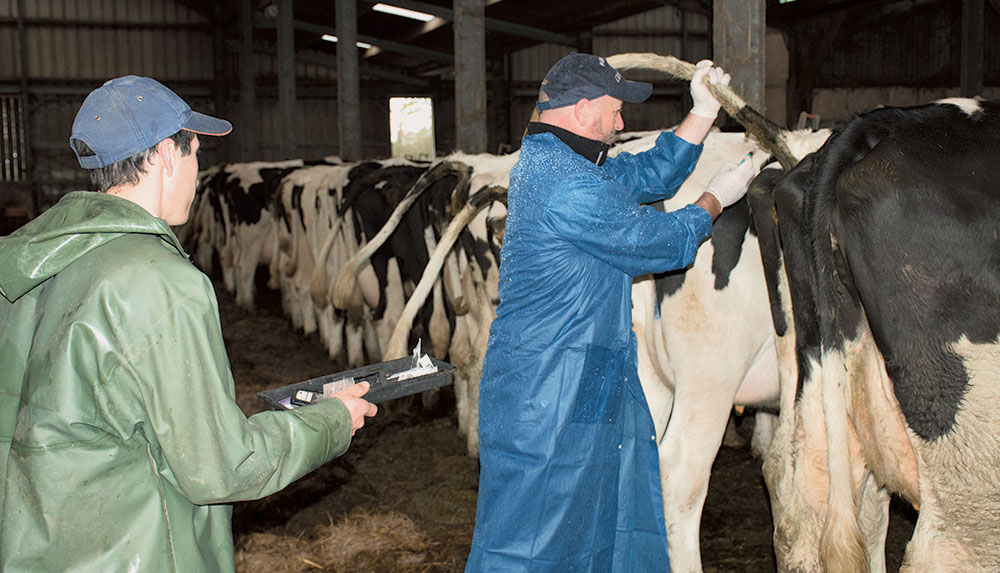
(730,182)
(705,103)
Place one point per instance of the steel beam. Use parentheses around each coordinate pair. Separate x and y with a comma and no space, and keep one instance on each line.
(489,23)
(388,45)
(330,62)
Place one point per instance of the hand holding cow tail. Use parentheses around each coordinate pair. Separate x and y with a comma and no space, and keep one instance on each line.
(770,136)
(705,104)
(730,182)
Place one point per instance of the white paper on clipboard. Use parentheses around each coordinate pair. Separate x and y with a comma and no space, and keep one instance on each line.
(420,365)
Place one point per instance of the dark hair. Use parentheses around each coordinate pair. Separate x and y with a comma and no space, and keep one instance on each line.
(129,170)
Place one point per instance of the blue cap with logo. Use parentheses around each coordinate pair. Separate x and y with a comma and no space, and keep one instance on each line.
(131,114)
(586,76)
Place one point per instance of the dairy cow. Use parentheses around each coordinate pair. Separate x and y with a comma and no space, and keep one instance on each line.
(466,256)
(329,214)
(311,235)
(883,270)
(707,343)
(232,228)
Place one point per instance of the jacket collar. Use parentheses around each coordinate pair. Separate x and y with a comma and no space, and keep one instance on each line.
(80,222)
(593,150)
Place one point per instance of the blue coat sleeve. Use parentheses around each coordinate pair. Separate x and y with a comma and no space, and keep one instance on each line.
(602,218)
(658,172)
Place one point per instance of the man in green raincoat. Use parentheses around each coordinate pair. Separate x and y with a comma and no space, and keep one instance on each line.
(121,444)
(569,475)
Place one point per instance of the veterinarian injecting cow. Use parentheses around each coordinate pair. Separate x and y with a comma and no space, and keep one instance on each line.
(569,472)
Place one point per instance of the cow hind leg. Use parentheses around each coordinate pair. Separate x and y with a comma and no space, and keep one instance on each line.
(687,452)
(959,522)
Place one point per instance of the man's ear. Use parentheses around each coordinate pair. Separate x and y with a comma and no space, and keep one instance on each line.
(582,111)
(165,157)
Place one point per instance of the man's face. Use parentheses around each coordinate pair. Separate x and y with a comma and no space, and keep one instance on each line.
(185,180)
(606,119)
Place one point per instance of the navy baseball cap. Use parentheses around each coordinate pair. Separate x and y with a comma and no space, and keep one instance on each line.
(131,114)
(586,76)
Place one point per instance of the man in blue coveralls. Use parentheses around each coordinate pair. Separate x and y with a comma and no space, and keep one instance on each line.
(569,474)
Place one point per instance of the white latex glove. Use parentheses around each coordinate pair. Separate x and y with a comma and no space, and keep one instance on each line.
(730,182)
(705,103)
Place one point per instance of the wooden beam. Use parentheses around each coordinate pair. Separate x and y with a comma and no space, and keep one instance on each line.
(738,46)
(286,78)
(248,93)
(26,106)
(348,81)
(221,89)
(470,76)
(973,32)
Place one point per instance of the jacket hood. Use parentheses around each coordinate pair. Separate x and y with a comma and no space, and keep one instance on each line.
(80,222)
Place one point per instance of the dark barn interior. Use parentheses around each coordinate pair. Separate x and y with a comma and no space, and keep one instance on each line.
(403,498)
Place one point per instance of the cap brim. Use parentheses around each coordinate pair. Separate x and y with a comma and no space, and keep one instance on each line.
(632,92)
(207,125)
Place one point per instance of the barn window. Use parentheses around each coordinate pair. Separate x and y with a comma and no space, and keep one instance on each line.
(12,141)
(411,125)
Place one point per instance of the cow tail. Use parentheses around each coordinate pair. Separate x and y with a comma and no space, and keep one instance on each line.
(397,346)
(770,136)
(842,547)
(345,284)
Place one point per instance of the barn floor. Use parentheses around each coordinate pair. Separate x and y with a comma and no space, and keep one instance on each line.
(403,497)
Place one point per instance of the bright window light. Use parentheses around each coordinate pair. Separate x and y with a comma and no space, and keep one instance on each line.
(396,10)
(332,38)
(411,127)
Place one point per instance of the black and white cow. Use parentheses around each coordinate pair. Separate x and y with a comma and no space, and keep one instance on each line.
(232,222)
(329,214)
(887,282)
(706,343)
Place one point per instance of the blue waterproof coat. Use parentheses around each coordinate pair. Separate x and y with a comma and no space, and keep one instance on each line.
(569,471)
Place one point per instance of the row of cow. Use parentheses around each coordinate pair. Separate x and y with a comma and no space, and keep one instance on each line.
(303,222)
(854,292)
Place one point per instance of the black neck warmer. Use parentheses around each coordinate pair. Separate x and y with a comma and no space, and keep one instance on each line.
(593,150)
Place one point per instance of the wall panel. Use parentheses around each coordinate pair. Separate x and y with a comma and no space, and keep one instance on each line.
(97,39)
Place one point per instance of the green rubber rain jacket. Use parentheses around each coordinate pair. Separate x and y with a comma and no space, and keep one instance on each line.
(121,443)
